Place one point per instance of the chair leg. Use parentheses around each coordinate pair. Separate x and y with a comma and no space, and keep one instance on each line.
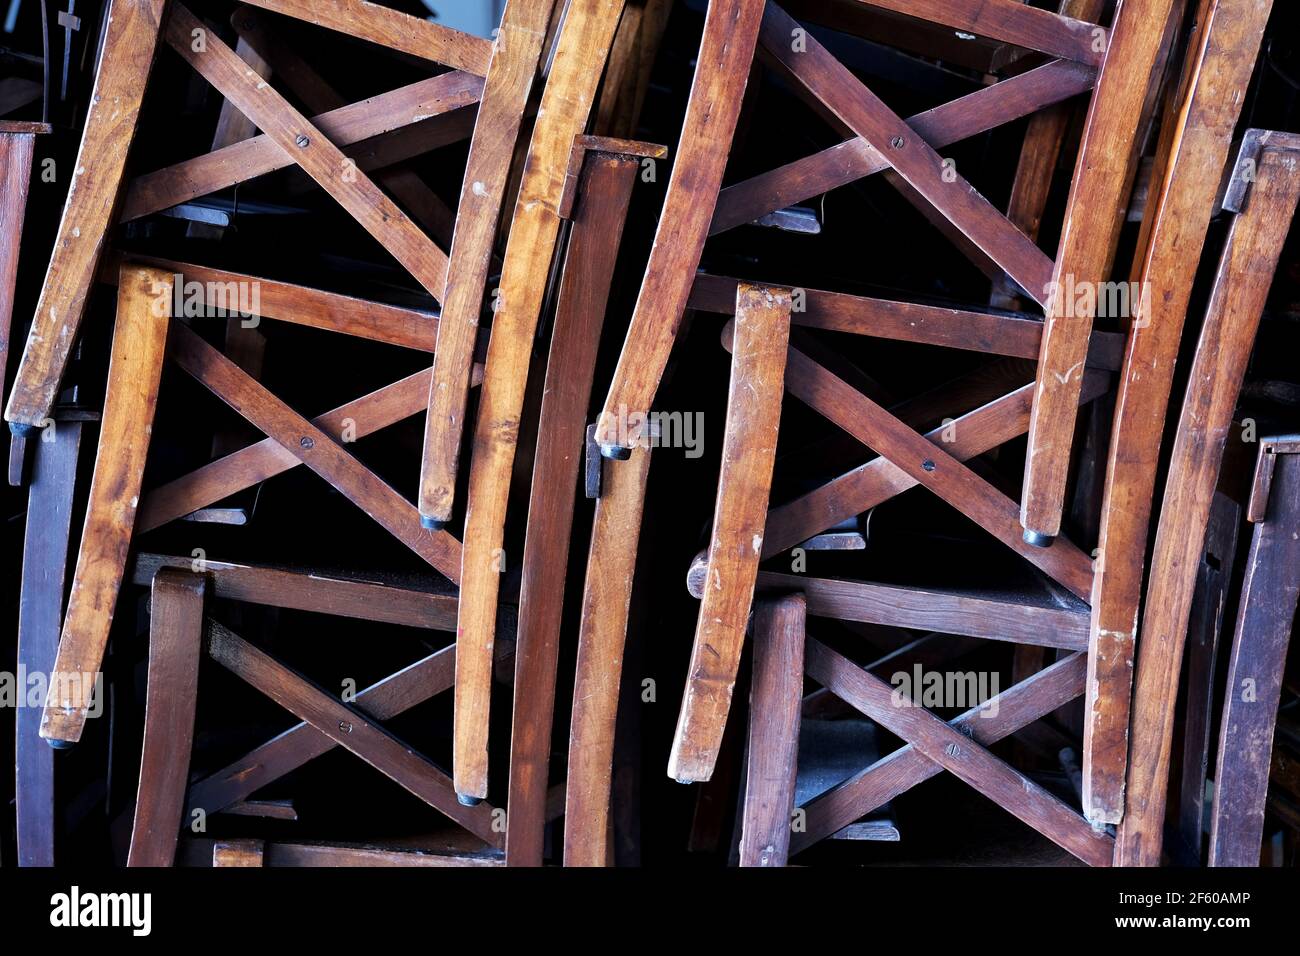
(45,559)
(175,647)
(762,331)
(1255,672)
(1227,337)
(139,341)
(776,697)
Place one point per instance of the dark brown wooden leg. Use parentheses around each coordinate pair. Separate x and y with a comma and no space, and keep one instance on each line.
(776,697)
(175,648)
(1259,649)
(1241,288)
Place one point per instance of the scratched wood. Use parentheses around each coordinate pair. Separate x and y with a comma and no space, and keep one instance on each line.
(135,367)
(516,52)
(175,648)
(1098,199)
(776,696)
(722,70)
(130,37)
(762,331)
(593,247)
(1241,286)
(40,614)
(565,108)
(1203,126)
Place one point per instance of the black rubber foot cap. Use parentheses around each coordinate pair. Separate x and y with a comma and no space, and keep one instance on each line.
(615,452)
(61,744)
(1039,540)
(23,430)
(465,801)
(433,524)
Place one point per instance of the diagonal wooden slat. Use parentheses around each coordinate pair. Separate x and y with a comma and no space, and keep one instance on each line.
(349,728)
(960,755)
(1011,21)
(442,100)
(314,448)
(310,148)
(390,28)
(836,87)
(985,109)
(986,724)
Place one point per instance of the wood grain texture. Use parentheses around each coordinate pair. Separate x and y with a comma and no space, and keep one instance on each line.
(987,108)
(1240,290)
(127,55)
(390,28)
(933,467)
(309,147)
(314,448)
(40,614)
(986,724)
(433,108)
(515,55)
(565,108)
(303,305)
(776,695)
(996,334)
(594,242)
(1012,22)
(965,758)
(1198,150)
(993,616)
(602,636)
(16,152)
(914,160)
(311,591)
(1255,674)
(348,727)
(175,648)
(135,367)
(1098,199)
(762,331)
(287,751)
(722,69)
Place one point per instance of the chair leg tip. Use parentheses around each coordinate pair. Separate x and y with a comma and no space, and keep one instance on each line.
(433,524)
(615,452)
(1038,539)
(467,801)
(60,744)
(23,430)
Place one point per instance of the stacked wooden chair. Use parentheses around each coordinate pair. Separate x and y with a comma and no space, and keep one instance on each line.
(571,188)
(1089,606)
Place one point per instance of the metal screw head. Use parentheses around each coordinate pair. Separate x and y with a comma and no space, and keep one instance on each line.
(928,465)
(306,442)
(302,141)
(345,727)
(897,142)
(952,750)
